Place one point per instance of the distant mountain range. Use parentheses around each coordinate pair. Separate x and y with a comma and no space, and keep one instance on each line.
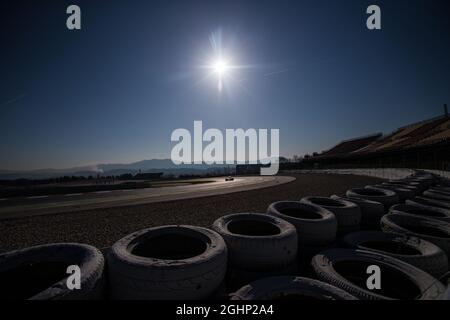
(154,165)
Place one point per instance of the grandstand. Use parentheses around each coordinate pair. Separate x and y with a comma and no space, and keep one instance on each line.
(425,144)
(352,145)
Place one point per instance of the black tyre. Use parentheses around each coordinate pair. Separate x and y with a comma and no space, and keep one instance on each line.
(347,269)
(429,202)
(440,191)
(436,195)
(315,225)
(237,278)
(288,287)
(435,231)
(371,212)
(419,186)
(168,263)
(422,211)
(403,193)
(258,242)
(387,197)
(441,188)
(41,272)
(417,252)
(348,214)
(411,188)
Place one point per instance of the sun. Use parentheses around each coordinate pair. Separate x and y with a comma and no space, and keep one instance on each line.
(221,67)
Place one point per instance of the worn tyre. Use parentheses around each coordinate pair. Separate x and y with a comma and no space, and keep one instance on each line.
(441,188)
(435,231)
(40,272)
(371,212)
(429,202)
(168,263)
(348,214)
(417,252)
(387,197)
(315,225)
(415,191)
(422,211)
(346,269)
(258,242)
(288,287)
(403,193)
(440,191)
(417,185)
(237,278)
(436,195)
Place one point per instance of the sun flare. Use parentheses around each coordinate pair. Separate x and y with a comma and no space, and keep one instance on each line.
(221,67)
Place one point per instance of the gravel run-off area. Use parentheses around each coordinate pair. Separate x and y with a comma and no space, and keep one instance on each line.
(103,227)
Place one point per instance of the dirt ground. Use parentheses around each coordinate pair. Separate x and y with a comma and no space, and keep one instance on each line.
(103,227)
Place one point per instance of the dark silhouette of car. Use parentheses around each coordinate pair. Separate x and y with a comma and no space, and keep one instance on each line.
(229,178)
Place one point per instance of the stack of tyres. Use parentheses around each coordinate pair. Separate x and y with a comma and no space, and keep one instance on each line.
(40,273)
(413,184)
(444,191)
(316,227)
(415,191)
(437,195)
(432,230)
(371,211)
(422,211)
(402,192)
(167,263)
(386,197)
(347,270)
(417,252)
(259,245)
(429,202)
(289,287)
(348,214)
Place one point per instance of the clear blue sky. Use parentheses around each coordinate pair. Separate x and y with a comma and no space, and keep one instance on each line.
(114,91)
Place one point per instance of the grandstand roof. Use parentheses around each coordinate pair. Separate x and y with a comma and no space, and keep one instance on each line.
(424,133)
(351,145)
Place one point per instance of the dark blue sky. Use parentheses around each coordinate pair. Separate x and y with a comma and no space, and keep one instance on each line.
(114,91)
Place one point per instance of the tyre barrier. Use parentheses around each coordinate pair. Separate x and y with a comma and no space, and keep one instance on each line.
(42,272)
(371,212)
(447,294)
(426,179)
(315,225)
(436,195)
(167,263)
(440,191)
(386,197)
(255,254)
(290,288)
(259,245)
(348,214)
(347,270)
(417,252)
(441,188)
(435,231)
(236,278)
(422,211)
(258,242)
(429,202)
(403,193)
(417,185)
(415,191)
(316,228)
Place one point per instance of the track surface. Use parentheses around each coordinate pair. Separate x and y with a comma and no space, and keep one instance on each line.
(102,227)
(40,205)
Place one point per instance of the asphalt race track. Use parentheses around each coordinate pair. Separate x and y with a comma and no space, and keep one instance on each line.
(40,205)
